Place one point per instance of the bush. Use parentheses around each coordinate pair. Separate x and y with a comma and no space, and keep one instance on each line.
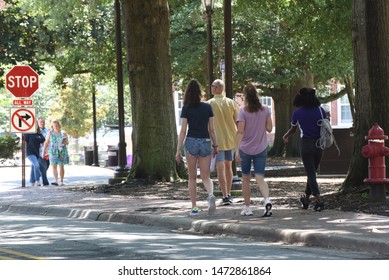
(9,144)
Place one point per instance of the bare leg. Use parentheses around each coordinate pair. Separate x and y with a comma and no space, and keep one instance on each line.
(192,169)
(61,172)
(221,177)
(263,187)
(204,163)
(55,173)
(246,189)
(229,175)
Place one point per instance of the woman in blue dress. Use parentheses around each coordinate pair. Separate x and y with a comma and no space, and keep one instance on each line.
(56,145)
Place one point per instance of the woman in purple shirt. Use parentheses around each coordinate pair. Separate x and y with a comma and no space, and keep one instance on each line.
(254,120)
(306,117)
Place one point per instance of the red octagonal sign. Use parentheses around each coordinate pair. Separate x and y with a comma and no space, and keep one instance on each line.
(22,81)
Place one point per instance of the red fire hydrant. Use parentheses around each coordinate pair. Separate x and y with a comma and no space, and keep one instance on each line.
(376,151)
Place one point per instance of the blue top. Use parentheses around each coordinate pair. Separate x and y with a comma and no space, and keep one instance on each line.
(33,142)
(198,119)
(306,119)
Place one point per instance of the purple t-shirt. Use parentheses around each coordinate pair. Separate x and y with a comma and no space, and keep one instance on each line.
(306,119)
(254,139)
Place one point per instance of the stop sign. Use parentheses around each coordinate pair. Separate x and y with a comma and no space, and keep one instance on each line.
(22,81)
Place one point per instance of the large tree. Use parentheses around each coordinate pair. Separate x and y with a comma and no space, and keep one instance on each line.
(362,120)
(154,138)
(371,57)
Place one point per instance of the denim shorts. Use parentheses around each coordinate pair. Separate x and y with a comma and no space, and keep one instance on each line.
(224,155)
(259,161)
(198,146)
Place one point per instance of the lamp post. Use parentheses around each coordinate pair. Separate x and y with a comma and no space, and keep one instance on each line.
(228,48)
(208,9)
(95,147)
(122,170)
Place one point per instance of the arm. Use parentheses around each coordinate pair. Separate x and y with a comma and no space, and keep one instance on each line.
(239,136)
(290,132)
(269,124)
(66,139)
(211,129)
(46,143)
(181,137)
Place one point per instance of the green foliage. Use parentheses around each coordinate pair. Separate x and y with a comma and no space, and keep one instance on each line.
(74,107)
(274,42)
(8,146)
(189,40)
(84,35)
(24,39)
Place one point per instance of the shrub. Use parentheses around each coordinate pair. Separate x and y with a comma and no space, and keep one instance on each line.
(9,144)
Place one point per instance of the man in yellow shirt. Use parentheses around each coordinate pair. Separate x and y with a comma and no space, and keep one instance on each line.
(225,112)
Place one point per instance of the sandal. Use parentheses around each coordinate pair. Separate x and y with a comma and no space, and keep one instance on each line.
(304,203)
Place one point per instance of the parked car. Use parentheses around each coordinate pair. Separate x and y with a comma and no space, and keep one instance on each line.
(111,138)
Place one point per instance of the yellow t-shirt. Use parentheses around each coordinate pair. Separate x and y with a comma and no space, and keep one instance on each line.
(225,112)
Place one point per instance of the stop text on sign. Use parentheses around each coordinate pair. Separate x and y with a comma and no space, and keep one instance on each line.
(22,81)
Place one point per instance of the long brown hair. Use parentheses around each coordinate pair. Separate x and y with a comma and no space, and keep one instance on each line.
(192,96)
(251,98)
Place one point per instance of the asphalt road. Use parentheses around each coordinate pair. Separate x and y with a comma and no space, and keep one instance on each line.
(52,238)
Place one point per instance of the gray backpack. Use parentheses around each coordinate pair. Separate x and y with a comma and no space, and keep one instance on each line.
(326,139)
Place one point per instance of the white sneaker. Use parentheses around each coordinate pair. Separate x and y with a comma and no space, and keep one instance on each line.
(246,211)
(37,184)
(211,204)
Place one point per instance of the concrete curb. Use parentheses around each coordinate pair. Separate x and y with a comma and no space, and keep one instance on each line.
(256,232)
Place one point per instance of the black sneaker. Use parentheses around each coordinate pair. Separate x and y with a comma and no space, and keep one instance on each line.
(230,199)
(267,212)
(319,206)
(225,201)
(304,204)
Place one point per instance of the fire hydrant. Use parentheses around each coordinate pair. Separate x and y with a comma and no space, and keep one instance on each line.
(376,151)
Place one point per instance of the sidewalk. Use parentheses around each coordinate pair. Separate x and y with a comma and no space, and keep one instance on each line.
(329,229)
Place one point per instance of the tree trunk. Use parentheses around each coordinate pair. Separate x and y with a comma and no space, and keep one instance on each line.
(348,81)
(377,27)
(358,167)
(146,24)
(283,107)
(282,100)
(377,35)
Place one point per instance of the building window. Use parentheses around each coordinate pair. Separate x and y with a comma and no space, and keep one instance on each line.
(266,101)
(345,111)
(180,105)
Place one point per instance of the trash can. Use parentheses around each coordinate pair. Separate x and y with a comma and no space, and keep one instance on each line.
(88,155)
(113,155)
